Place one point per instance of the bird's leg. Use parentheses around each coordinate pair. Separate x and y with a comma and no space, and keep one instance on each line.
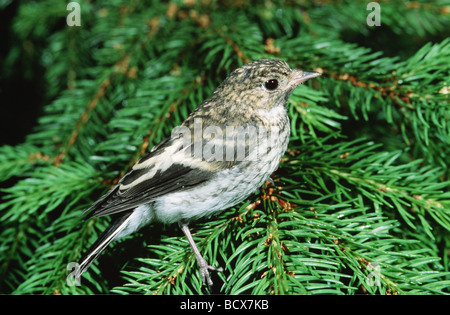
(204,267)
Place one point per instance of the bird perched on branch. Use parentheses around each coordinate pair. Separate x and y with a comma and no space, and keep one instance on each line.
(224,151)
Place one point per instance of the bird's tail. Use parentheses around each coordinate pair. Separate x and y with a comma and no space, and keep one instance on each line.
(102,242)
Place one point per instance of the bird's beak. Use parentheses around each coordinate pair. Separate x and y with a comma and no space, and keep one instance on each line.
(298,77)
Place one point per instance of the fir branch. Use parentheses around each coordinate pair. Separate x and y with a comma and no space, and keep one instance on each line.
(30,204)
(361,201)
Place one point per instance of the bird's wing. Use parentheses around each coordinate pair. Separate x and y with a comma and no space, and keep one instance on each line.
(168,168)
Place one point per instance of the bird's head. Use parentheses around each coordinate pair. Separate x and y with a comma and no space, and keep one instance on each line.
(264,83)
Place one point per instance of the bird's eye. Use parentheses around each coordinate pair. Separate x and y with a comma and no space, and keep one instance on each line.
(271,84)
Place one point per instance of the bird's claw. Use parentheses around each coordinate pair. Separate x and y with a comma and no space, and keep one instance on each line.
(204,271)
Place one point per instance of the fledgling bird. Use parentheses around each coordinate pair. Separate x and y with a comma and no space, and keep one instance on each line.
(224,151)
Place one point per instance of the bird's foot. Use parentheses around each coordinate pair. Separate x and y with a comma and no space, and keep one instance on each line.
(204,266)
(204,271)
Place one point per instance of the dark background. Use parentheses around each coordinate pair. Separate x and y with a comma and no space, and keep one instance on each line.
(22,87)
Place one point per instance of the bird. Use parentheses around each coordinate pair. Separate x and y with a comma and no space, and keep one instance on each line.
(223,152)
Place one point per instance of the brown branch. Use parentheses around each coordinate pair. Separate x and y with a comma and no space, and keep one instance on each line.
(385,91)
(83,119)
(268,193)
(236,49)
(270,47)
